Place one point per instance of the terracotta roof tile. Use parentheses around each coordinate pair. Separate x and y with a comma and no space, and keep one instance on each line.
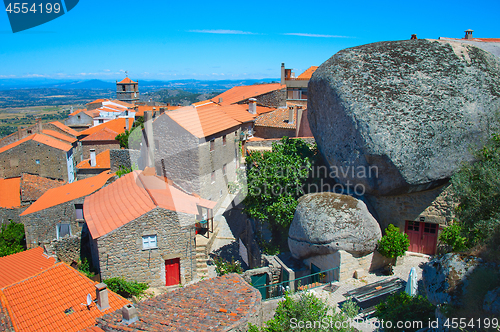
(39,303)
(22,265)
(126,80)
(77,111)
(102,162)
(65,128)
(276,119)
(34,186)
(217,304)
(238,112)
(105,134)
(306,75)
(98,101)
(10,193)
(202,122)
(116,125)
(240,93)
(139,110)
(68,192)
(40,138)
(60,136)
(131,196)
(93,113)
(119,102)
(263,109)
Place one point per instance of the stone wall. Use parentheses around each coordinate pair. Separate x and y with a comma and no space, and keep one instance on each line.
(66,249)
(99,146)
(79,120)
(21,133)
(269,142)
(123,157)
(11,214)
(23,159)
(435,206)
(40,227)
(347,263)
(275,98)
(121,254)
(50,126)
(273,132)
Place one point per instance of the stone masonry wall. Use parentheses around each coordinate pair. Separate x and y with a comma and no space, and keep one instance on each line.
(22,159)
(66,249)
(11,214)
(123,157)
(270,132)
(275,98)
(121,253)
(99,146)
(347,263)
(50,126)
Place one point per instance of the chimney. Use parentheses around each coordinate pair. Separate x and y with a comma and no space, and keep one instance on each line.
(468,34)
(130,314)
(252,106)
(126,124)
(162,110)
(92,158)
(414,36)
(101,294)
(148,128)
(282,73)
(220,100)
(39,125)
(291,111)
(168,104)
(19,133)
(299,121)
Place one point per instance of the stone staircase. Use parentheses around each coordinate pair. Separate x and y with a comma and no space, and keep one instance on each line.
(201,260)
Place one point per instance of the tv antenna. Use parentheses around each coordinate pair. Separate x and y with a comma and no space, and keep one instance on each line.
(89,301)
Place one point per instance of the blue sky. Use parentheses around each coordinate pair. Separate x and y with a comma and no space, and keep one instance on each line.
(171,40)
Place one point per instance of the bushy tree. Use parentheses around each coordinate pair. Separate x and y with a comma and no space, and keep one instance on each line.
(124,287)
(12,239)
(394,243)
(132,138)
(452,236)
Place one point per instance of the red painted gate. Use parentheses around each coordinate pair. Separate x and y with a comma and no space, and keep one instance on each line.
(172,271)
(423,237)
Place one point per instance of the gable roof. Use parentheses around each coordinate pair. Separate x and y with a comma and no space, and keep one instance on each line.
(103,161)
(240,93)
(238,112)
(10,193)
(126,80)
(276,119)
(131,196)
(22,265)
(38,303)
(68,192)
(58,135)
(116,125)
(40,138)
(202,122)
(105,134)
(64,128)
(306,75)
(34,186)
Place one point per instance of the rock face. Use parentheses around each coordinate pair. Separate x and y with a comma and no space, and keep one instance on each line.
(327,222)
(445,277)
(399,117)
(492,301)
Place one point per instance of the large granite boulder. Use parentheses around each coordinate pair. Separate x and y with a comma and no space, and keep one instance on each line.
(491,301)
(401,116)
(326,222)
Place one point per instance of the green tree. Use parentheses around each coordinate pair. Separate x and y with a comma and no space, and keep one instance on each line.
(275,181)
(306,307)
(126,288)
(393,244)
(132,138)
(12,239)
(452,236)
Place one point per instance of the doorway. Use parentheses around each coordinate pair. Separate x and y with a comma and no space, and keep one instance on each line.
(172,272)
(423,236)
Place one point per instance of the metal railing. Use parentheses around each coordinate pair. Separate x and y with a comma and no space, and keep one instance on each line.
(300,284)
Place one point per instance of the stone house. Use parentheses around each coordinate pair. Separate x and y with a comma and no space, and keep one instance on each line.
(98,103)
(268,95)
(296,87)
(290,122)
(81,119)
(99,141)
(95,165)
(38,154)
(142,227)
(59,211)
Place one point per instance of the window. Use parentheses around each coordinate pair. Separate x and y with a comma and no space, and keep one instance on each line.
(79,211)
(101,121)
(29,131)
(430,228)
(212,145)
(149,242)
(213,176)
(224,140)
(236,133)
(62,230)
(224,169)
(413,226)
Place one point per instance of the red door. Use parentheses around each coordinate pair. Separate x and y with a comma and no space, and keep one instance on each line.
(172,271)
(423,237)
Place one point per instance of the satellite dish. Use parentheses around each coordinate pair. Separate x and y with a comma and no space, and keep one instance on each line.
(89,300)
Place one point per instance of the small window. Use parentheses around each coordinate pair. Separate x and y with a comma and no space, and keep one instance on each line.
(149,242)
(224,169)
(224,140)
(101,121)
(212,145)
(37,161)
(236,133)
(79,211)
(62,230)
(29,131)
(213,176)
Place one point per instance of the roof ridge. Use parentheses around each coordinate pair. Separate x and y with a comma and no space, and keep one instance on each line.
(147,190)
(30,277)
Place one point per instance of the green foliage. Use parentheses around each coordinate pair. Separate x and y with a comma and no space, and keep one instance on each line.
(12,239)
(452,236)
(125,288)
(84,267)
(394,243)
(477,188)
(306,307)
(401,307)
(132,138)
(222,266)
(275,181)
(123,170)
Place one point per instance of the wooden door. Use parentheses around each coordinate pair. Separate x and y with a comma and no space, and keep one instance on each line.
(413,229)
(172,271)
(429,238)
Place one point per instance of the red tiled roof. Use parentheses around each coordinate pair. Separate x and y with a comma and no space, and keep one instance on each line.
(217,304)
(10,193)
(68,192)
(34,186)
(116,125)
(40,138)
(102,162)
(123,103)
(126,80)
(139,110)
(22,265)
(238,112)
(93,329)
(93,113)
(131,196)
(263,109)
(239,93)
(65,128)
(276,119)
(58,135)
(306,75)
(105,134)
(202,122)
(39,303)
(98,101)
(77,111)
